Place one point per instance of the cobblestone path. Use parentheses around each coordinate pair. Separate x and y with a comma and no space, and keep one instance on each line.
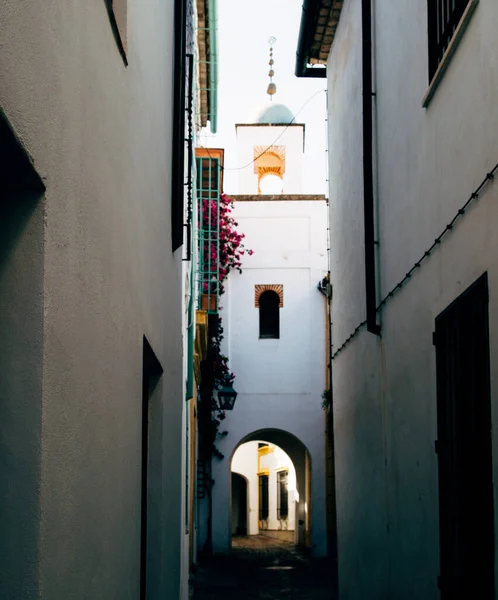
(260,568)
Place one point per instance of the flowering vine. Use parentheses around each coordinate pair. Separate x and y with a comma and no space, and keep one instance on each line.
(222,252)
(223,248)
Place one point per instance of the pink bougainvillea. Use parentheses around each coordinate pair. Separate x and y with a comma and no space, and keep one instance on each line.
(223,248)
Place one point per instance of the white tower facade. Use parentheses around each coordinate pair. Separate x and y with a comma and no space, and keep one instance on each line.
(274,318)
(273,146)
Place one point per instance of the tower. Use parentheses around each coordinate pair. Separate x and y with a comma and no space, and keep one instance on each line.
(272,145)
(274,338)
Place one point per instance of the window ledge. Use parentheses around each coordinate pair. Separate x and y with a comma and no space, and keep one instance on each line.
(450,51)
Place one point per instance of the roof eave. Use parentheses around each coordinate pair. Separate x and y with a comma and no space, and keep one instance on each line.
(314,46)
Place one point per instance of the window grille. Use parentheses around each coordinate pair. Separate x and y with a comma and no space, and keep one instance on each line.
(263,498)
(269,315)
(444,17)
(208,194)
(282,495)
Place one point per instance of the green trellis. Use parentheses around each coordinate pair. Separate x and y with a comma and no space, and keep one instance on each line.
(208,195)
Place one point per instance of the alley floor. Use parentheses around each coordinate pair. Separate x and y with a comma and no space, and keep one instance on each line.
(260,568)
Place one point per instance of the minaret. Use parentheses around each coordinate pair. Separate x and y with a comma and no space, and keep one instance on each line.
(271,147)
(272,88)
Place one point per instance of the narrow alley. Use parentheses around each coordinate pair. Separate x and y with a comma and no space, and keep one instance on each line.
(248,300)
(260,568)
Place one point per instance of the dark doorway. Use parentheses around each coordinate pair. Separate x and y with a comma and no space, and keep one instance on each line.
(151,374)
(239,505)
(464,447)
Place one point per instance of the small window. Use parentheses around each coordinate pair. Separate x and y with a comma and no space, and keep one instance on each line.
(269,315)
(444,18)
(282,495)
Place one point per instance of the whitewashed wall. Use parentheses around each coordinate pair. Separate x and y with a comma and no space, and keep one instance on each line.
(279,381)
(99,135)
(251,136)
(429,161)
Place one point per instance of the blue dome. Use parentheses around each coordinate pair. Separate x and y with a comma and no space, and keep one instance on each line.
(275,114)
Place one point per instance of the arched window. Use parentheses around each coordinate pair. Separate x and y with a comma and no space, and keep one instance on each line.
(269,315)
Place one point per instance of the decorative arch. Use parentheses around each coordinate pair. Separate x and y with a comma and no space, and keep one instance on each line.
(269,161)
(277,288)
(274,156)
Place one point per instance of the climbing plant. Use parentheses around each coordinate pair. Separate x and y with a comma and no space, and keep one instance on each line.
(221,254)
(223,248)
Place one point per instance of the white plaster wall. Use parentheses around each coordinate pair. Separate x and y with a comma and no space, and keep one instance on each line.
(429,161)
(288,240)
(99,135)
(279,381)
(292,138)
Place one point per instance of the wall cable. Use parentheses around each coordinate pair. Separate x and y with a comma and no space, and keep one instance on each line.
(474,196)
(274,142)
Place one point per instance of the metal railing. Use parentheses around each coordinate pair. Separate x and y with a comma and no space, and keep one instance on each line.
(208,194)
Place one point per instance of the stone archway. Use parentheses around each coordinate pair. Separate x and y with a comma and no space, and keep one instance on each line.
(298,453)
(239,504)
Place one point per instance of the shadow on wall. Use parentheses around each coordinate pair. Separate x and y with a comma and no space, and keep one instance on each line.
(21,360)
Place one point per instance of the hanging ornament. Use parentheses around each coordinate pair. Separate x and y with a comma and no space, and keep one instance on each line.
(272,88)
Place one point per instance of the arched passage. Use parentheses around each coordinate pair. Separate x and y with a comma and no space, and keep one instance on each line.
(272,497)
(300,457)
(301,439)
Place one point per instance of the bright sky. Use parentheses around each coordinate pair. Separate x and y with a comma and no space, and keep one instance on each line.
(244,29)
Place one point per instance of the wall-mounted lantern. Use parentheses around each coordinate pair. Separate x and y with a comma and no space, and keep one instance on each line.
(226,396)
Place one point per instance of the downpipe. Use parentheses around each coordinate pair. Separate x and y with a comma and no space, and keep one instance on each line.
(368,185)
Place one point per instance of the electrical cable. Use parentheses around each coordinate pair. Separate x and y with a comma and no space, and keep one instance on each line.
(474,196)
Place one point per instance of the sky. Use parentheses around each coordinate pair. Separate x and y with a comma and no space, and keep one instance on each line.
(244,29)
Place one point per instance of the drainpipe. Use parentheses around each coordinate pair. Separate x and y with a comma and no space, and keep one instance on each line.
(178,146)
(213,70)
(368,193)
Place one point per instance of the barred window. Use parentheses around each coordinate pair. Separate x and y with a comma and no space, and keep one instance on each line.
(282,495)
(444,17)
(263,498)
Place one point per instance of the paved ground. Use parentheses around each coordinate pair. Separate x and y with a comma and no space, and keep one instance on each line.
(259,568)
